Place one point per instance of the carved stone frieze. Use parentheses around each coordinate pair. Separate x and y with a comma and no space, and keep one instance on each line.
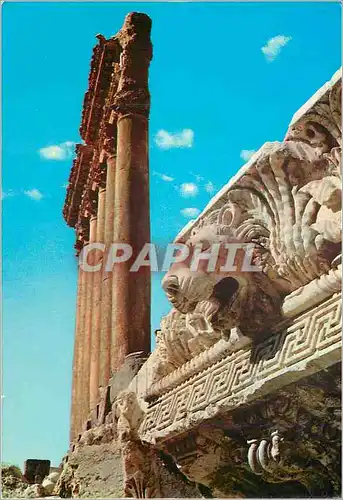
(98,131)
(105,55)
(178,360)
(288,206)
(310,343)
(289,438)
(77,182)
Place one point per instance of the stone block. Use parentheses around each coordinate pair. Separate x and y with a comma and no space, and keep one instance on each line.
(122,378)
(35,470)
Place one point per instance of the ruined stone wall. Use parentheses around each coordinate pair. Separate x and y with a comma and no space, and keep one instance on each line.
(94,467)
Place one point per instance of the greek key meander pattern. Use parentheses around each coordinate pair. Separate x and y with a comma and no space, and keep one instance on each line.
(312,335)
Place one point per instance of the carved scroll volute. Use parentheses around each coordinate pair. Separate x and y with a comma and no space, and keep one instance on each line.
(137,485)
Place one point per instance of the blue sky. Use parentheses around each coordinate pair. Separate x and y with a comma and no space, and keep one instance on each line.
(215,94)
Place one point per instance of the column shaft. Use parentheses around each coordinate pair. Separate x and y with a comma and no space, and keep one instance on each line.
(96,313)
(75,400)
(131,290)
(88,326)
(81,348)
(106,297)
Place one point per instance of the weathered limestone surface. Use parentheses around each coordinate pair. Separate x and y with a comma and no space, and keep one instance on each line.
(93,467)
(107,282)
(100,463)
(87,340)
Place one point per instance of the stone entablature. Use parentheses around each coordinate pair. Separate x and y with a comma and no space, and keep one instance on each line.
(98,131)
(224,381)
(304,299)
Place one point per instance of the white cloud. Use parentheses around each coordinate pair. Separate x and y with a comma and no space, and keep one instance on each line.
(7,194)
(168,140)
(246,154)
(62,151)
(34,194)
(274,46)
(209,187)
(164,177)
(198,177)
(190,212)
(188,189)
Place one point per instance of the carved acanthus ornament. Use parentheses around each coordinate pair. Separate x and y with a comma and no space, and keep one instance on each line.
(140,476)
(287,205)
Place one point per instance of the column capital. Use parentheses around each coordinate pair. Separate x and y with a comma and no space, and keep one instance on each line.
(134,38)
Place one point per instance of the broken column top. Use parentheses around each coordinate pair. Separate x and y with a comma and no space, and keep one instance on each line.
(135,24)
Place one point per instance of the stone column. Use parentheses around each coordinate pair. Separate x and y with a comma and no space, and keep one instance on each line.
(94,382)
(75,401)
(106,293)
(88,327)
(81,326)
(131,290)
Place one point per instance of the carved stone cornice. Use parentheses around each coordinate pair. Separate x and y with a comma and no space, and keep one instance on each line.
(117,83)
(183,352)
(105,55)
(98,130)
(308,296)
(311,342)
(319,121)
(82,233)
(76,184)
